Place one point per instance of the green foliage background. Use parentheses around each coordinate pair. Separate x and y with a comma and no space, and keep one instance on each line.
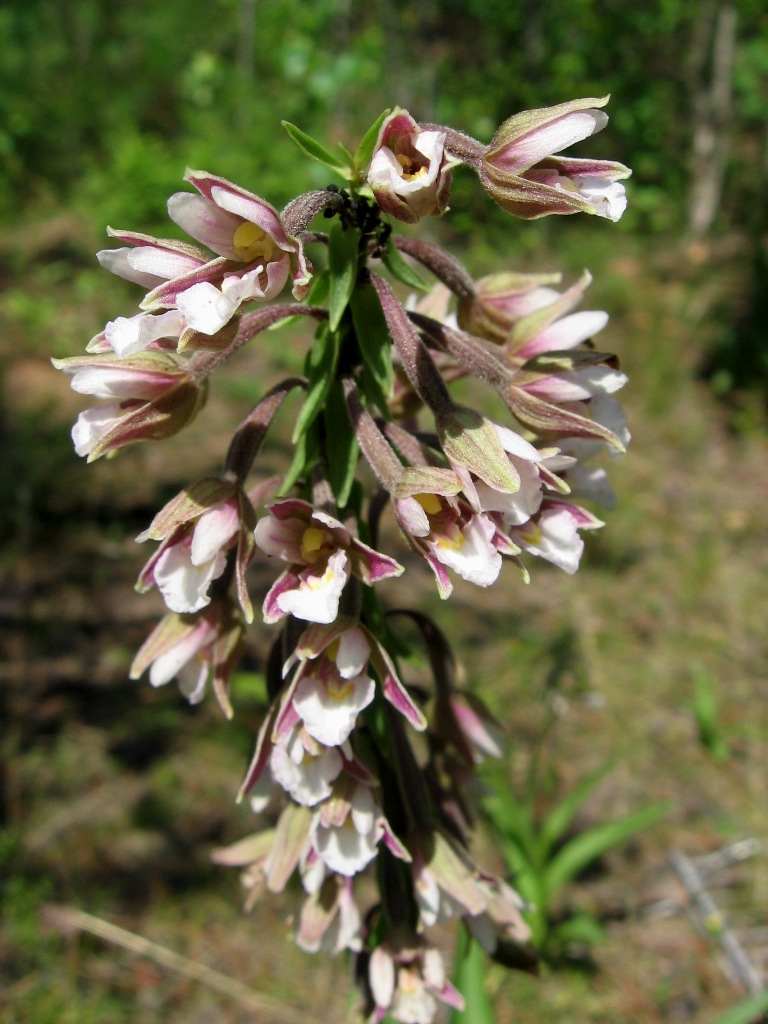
(105,103)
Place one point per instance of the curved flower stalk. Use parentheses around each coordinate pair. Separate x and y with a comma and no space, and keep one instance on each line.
(334,766)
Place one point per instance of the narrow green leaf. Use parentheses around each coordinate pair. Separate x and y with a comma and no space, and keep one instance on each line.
(364,151)
(343,244)
(317,151)
(514,820)
(590,845)
(560,817)
(305,455)
(403,271)
(582,927)
(321,369)
(373,336)
(341,448)
(747,1011)
(469,973)
(346,156)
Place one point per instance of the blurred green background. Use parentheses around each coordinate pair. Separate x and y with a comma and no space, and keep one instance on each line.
(655,655)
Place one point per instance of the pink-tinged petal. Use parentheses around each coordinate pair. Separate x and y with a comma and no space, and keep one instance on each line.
(251,208)
(394,691)
(92,425)
(316,599)
(163,264)
(205,221)
(119,263)
(557,135)
(271,608)
(280,537)
(443,580)
(381,977)
(584,519)
(392,843)
(213,531)
(482,731)
(579,386)
(128,335)
(164,295)
(514,444)
(233,198)
(167,665)
(451,996)
(372,566)
(329,708)
(566,333)
(412,517)
(473,557)
(309,781)
(353,653)
(206,308)
(113,380)
(184,586)
(516,508)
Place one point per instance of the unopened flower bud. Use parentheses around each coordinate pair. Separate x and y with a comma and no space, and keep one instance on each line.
(525,178)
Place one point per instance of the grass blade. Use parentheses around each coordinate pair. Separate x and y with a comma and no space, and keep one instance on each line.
(588,846)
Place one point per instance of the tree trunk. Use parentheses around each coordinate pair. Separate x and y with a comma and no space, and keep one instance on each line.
(712,103)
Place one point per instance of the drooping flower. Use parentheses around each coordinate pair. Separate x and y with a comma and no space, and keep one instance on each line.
(553,534)
(348,827)
(331,684)
(330,920)
(499,300)
(444,529)
(410,170)
(195,530)
(522,174)
(193,649)
(322,554)
(406,981)
(255,257)
(156,398)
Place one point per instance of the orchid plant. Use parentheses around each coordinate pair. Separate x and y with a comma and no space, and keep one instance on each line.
(334,767)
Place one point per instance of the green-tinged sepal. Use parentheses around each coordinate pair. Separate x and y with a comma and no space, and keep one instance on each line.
(471,441)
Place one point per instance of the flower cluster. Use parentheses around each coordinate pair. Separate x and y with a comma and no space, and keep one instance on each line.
(334,777)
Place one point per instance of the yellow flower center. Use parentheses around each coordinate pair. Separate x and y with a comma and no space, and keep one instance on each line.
(332,650)
(251,243)
(411,169)
(340,689)
(530,533)
(430,503)
(453,539)
(312,541)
